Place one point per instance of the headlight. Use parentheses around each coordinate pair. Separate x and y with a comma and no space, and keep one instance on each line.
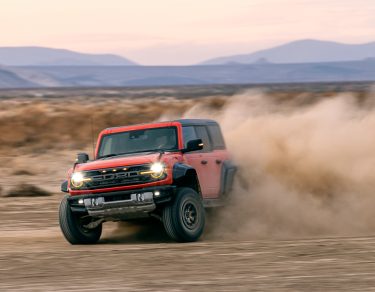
(77,179)
(157,170)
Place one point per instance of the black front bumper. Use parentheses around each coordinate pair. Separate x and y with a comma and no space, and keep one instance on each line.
(122,204)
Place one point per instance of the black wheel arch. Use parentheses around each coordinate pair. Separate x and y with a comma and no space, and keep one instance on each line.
(186,176)
(228,172)
(64,186)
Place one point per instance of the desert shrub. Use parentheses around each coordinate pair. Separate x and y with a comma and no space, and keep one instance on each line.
(23,172)
(27,190)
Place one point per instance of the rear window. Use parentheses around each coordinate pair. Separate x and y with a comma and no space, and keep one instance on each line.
(216,137)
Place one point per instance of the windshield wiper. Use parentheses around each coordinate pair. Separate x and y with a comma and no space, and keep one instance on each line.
(111,155)
(125,153)
(161,151)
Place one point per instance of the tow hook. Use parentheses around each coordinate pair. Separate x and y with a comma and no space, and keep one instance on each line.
(158,217)
(94,224)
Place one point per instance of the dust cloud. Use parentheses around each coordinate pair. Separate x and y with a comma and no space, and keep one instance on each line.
(306,157)
(306,167)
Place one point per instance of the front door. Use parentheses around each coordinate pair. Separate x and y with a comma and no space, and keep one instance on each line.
(203,161)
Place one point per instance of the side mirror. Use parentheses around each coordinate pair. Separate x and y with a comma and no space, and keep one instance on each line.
(193,145)
(82,158)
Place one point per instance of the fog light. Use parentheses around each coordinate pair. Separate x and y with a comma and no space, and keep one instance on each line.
(80,201)
(156,193)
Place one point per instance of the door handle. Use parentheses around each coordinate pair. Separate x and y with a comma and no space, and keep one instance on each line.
(218,161)
(204,161)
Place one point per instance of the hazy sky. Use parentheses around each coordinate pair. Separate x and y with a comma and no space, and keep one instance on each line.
(181,31)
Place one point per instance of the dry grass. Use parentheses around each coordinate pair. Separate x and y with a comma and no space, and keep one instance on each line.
(36,121)
(34,126)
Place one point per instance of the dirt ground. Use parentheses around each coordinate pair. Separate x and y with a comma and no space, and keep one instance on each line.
(35,257)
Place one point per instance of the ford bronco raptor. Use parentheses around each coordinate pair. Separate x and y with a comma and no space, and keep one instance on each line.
(168,170)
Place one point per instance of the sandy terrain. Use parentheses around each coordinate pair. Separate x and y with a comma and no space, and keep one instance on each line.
(301,218)
(35,257)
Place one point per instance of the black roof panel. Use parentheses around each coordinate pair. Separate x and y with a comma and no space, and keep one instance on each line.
(184,122)
(188,122)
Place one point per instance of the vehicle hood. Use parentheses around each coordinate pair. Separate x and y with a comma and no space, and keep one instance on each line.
(118,162)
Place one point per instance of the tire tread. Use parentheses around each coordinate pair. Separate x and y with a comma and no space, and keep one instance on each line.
(69,229)
(171,217)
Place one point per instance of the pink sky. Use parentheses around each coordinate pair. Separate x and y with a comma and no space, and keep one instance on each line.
(172,32)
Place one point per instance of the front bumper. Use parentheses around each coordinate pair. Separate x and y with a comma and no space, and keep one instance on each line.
(122,205)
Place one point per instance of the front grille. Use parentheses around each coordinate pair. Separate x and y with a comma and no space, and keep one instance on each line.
(118,176)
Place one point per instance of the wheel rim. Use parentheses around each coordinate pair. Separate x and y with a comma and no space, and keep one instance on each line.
(190,215)
(80,221)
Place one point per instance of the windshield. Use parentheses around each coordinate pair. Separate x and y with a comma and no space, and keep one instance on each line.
(155,139)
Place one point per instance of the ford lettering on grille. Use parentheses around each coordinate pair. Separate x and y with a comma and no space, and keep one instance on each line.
(119,176)
(112,176)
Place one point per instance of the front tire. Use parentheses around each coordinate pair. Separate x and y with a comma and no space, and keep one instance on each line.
(184,218)
(71,225)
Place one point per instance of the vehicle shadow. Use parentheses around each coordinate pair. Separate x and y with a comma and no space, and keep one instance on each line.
(148,231)
(151,231)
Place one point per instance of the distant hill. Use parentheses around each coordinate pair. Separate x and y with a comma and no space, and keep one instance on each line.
(9,79)
(302,51)
(39,56)
(119,76)
(17,77)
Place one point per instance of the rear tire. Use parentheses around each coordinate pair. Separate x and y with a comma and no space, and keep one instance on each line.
(72,226)
(184,218)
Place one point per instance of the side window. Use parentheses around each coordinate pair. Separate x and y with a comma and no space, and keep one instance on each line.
(188,134)
(203,134)
(216,137)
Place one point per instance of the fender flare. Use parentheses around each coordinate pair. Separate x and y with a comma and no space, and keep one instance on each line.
(64,186)
(228,172)
(180,170)
(185,175)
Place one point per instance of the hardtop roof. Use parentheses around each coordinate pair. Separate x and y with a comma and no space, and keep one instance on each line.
(183,122)
(188,122)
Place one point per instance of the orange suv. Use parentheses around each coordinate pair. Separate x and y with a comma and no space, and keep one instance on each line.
(171,171)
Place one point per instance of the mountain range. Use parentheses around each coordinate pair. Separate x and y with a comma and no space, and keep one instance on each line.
(123,76)
(40,56)
(300,61)
(302,51)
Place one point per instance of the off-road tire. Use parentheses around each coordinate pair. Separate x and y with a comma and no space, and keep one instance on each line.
(184,218)
(71,227)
